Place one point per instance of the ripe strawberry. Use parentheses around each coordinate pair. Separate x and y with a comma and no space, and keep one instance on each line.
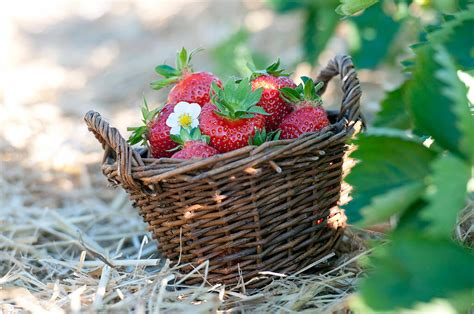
(195,150)
(190,87)
(194,144)
(233,116)
(154,131)
(309,115)
(272,80)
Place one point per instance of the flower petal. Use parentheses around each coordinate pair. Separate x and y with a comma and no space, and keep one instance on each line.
(181,107)
(172,120)
(194,110)
(195,123)
(175,130)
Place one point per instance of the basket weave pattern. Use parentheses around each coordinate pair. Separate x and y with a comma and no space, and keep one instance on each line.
(255,209)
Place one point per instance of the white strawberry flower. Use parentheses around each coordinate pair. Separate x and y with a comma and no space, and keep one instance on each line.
(185,115)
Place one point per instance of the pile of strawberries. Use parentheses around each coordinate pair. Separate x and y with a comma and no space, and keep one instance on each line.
(204,117)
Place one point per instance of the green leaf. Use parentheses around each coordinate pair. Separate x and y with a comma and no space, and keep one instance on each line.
(159,84)
(439,105)
(182,59)
(166,71)
(388,159)
(374,40)
(457,35)
(394,111)
(412,269)
(446,195)
(395,201)
(350,7)
(290,95)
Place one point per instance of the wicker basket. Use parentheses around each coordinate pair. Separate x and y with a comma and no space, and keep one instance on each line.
(264,208)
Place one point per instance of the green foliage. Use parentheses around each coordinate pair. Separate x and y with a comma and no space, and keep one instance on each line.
(393,113)
(350,7)
(424,185)
(446,194)
(414,268)
(383,175)
(236,100)
(438,99)
(373,39)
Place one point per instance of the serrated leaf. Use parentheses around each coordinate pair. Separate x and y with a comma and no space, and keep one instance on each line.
(412,269)
(446,195)
(350,7)
(439,105)
(395,201)
(388,159)
(457,35)
(394,111)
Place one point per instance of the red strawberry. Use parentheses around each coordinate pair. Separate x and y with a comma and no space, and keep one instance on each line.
(272,80)
(190,87)
(154,131)
(309,115)
(233,116)
(194,150)
(195,145)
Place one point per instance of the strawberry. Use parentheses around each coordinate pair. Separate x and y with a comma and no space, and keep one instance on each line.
(272,80)
(233,116)
(309,115)
(190,87)
(154,131)
(194,145)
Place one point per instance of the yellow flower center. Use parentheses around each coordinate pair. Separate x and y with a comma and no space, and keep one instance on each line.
(185,120)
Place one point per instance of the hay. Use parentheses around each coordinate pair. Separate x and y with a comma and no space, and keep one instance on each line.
(69,243)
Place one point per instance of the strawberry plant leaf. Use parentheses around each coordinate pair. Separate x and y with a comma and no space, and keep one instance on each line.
(372,42)
(446,194)
(413,268)
(457,36)
(439,106)
(394,201)
(394,111)
(350,7)
(166,71)
(381,170)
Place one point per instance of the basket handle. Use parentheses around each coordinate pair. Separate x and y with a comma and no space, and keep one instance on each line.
(350,107)
(111,139)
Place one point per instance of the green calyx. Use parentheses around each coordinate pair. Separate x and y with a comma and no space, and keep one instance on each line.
(261,136)
(306,91)
(236,100)
(273,70)
(187,134)
(140,133)
(172,75)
